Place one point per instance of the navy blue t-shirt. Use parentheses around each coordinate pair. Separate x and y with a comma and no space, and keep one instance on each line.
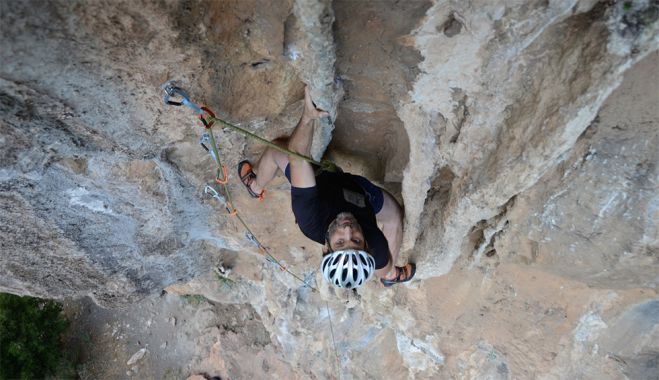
(316,207)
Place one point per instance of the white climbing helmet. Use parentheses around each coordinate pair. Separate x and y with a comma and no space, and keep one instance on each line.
(349,268)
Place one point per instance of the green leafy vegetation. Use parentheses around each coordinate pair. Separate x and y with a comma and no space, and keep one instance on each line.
(225,282)
(194,299)
(30,331)
(627,6)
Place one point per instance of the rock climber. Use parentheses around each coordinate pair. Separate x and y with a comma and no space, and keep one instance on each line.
(339,210)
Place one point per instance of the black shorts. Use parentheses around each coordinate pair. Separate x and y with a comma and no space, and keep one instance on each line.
(374,193)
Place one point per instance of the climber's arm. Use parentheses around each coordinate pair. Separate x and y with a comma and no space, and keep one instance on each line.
(391,218)
(302,173)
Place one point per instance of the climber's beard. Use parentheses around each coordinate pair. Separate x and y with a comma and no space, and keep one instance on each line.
(342,221)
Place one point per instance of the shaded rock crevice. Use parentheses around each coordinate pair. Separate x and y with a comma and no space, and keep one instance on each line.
(377,66)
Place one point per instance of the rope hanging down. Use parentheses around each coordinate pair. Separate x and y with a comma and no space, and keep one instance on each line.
(208,119)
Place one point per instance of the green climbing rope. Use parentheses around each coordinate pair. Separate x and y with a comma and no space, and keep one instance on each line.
(224,182)
(207,117)
(324,165)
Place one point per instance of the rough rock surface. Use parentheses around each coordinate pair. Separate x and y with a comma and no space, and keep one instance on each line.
(519,84)
(102,171)
(526,164)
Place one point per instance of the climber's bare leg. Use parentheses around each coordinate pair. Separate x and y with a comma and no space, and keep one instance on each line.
(302,174)
(270,161)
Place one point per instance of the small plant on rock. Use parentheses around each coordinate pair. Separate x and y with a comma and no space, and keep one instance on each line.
(194,299)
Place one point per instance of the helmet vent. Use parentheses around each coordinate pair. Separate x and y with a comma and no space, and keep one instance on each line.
(344,269)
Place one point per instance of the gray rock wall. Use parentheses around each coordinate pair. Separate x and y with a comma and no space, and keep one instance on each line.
(92,152)
(530,199)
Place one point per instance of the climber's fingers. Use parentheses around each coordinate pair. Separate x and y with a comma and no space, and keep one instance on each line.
(310,109)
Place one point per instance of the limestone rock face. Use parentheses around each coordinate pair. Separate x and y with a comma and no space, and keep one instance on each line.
(94,164)
(520,84)
(520,137)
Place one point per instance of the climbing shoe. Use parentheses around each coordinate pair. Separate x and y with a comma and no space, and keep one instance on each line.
(403,274)
(247,177)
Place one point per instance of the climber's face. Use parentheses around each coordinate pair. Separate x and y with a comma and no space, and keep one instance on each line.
(345,233)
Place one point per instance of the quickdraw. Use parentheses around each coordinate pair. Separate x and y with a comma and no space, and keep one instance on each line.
(172,91)
(207,121)
(205,139)
(225,179)
(252,239)
(208,143)
(215,194)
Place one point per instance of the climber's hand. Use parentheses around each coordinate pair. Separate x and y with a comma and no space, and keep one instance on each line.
(310,110)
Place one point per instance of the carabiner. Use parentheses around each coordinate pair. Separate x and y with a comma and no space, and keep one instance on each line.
(226,176)
(231,210)
(215,194)
(252,239)
(172,90)
(211,115)
(203,140)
